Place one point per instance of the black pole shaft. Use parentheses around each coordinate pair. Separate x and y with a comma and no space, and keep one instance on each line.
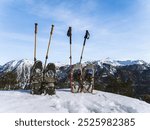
(71,74)
(70,49)
(35,41)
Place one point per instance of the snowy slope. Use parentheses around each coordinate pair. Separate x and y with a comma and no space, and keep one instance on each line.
(22,67)
(65,101)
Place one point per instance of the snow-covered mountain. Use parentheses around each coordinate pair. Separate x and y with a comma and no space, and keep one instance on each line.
(23,67)
(18,65)
(66,102)
(21,64)
(119,63)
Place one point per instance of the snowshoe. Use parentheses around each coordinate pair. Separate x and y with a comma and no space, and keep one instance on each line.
(88,78)
(49,79)
(36,78)
(77,78)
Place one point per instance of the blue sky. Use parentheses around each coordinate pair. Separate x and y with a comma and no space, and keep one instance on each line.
(120,29)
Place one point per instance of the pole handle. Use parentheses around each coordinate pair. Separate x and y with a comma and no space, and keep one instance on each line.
(36,24)
(52,29)
(87,35)
(69,32)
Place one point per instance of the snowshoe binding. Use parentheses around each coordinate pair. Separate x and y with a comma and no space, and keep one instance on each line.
(77,78)
(36,78)
(49,79)
(88,78)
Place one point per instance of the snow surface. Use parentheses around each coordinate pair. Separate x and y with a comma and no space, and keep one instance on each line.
(66,102)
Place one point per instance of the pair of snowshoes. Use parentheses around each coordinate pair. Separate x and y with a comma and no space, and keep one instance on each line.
(42,81)
(83,79)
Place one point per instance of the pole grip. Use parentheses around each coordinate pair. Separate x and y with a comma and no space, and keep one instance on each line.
(52,29)
(87,35)
(36,24)
(69,32)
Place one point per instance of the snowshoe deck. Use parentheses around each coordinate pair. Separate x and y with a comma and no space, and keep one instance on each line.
(49,79)
(77,78)
(36,77)
(88,78)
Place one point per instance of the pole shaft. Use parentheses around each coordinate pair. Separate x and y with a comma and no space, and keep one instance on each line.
(70,39)
(35,49)
(48,46)
(82,50)
(71,74)
(35,41)
(70,50)
(47,51)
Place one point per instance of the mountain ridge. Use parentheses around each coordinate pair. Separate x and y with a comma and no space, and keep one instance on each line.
(107,61)
(22,67)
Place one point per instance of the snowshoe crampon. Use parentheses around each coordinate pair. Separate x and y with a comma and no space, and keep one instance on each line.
(77,78)
(36,78)
(49,79)
(88,78)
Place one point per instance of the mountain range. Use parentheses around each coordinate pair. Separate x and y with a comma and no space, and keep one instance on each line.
(22,67)
(130,78)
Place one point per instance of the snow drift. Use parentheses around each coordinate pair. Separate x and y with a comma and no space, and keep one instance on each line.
(66,102)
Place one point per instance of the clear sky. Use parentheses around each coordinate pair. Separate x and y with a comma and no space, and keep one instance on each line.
(120,29)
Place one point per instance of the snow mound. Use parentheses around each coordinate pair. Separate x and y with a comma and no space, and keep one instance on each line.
(66,102)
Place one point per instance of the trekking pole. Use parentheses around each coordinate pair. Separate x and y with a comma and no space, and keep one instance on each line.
(87,36)
(69,34)
(35,39)
(51,33)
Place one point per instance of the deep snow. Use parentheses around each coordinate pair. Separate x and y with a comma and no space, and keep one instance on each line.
(64,101)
